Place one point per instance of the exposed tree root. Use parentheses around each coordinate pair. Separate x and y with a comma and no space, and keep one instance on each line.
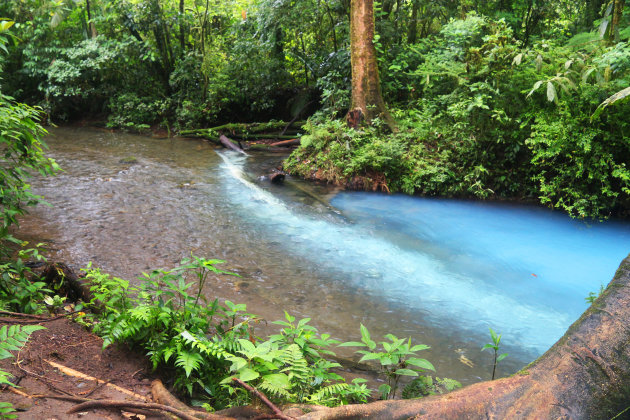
(71,372)
(162,396)
(88,405)
(277,413)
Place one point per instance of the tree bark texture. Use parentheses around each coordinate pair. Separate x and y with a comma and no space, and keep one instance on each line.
(366,84)
(585,375)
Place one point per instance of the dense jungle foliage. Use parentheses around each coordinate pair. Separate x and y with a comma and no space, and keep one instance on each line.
(500,99)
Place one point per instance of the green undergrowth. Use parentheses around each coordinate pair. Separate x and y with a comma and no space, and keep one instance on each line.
(483,117)
(203,344)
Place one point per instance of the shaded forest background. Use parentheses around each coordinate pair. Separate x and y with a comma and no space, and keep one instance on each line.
(497,99)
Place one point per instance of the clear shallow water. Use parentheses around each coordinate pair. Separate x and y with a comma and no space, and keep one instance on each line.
(440,271)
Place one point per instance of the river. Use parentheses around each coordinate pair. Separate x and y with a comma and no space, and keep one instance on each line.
(439,271)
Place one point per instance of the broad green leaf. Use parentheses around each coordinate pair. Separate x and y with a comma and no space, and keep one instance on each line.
(247,374)
(489,346)
(421,363)
(501,357)
(419,347)
(237,363)
(279,380)
(370,356)
(384,390)
(302,322)
(5,25)
(365,334)
(406,372)
(247,347)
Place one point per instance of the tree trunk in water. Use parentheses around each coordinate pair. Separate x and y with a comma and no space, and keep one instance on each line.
(585,375)
(366,84)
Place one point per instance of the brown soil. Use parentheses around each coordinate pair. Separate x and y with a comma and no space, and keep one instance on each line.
(69,344)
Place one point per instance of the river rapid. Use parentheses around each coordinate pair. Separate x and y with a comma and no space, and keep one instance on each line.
(439,271)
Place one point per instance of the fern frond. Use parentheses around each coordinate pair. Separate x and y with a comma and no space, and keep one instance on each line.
(274,389)
(142,313)
(14,337)
(328,392)
(210,348)
(188,361)
(297,366)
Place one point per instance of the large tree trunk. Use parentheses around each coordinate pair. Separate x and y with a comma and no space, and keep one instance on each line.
(585,375)
(616,20)
(366,84)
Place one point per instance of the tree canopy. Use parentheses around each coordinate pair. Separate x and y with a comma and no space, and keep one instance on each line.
(520,98)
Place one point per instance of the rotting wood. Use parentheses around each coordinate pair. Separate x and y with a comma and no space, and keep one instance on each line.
(59,274)
(266,148)
(277,177)
(230,144)
(264,136)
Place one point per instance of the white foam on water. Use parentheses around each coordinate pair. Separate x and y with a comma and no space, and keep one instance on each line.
(424,256)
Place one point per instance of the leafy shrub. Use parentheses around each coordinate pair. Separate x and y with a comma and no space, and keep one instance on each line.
(131,112)
(23,154)
(205,344)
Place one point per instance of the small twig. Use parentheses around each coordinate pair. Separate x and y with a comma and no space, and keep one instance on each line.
(276,411)
(18,363)
(19,314)
(128,404)
(82,343)
(36,320)
(97,386)
(56,397)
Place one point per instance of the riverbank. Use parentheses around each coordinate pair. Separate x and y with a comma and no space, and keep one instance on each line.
(67,361)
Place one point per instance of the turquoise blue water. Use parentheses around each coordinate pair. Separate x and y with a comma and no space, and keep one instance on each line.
(460,266)
(522,270)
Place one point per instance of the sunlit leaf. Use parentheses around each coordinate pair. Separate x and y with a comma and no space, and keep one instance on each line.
(551,92)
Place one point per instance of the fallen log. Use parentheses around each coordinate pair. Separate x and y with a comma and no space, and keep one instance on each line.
(230,144)
(276,177)
(263,136)
(266,148)
(286,143)
(585,375)
(243,128)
